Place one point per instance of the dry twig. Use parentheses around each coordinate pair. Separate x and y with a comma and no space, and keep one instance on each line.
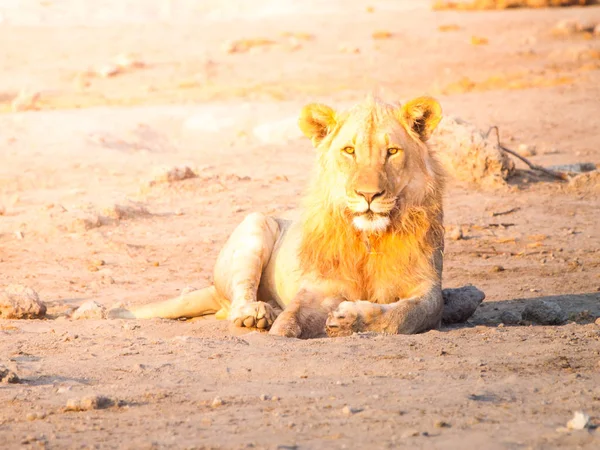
(554,174)
(504,213)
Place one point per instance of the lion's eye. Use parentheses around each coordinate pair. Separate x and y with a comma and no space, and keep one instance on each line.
(393,150)
(349,150)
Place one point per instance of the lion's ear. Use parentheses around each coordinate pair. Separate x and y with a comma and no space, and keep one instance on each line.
(422,115)
(316,121)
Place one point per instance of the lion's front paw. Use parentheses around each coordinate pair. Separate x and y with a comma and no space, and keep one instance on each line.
(259,315)
(344,321)
(286,325)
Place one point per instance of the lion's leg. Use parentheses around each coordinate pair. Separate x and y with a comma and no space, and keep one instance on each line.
(305,316)
(239,268)
(406,316)
(190,304)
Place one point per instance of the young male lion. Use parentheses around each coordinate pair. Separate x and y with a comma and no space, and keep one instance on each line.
(367,254)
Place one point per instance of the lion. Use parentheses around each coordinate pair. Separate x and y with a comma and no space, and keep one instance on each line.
(367,253)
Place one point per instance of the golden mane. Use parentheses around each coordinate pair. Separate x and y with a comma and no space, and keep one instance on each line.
(398,259)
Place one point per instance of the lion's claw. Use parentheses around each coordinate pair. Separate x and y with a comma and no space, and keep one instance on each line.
(344,321)
(259,315)
(286,325)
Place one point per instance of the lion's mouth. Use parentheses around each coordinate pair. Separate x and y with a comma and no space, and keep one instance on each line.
(371,221)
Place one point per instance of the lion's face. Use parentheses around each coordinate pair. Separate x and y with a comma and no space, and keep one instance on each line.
(373,159)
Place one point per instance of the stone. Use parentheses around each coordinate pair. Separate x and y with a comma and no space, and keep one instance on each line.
(8,376)
(89,310)
(217,401)
(349,411)
(89,403)
(456,234)
(468,154)
(587,181)
(526,150)
(172,174)
(510,318)
(460,303)
(544,312)
(21,302)
(580,421)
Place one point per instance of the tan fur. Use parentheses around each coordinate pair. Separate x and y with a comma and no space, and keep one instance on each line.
(367,254)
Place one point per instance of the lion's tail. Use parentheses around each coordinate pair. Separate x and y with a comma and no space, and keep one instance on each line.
(190,304)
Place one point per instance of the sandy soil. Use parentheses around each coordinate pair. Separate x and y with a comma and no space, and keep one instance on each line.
(85,143)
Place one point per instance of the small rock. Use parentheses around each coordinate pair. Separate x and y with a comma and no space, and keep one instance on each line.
(510,318)
(579,421)
(409,433)
(82,222)
(587,181)
(8,376)
(108,70)
(89,310)
(348,410)
(441,424)
(461,303)
(544,312)
(129,61)
(172,174)
(217,401)
(497,269)
(596,31)
(89,403)
(574,168)
(597,322)
(20,302)
(527,150)
(35,416)
(566,27)
(265,397)
(456,234)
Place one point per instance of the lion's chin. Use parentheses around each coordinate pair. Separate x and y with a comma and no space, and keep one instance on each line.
(371,223)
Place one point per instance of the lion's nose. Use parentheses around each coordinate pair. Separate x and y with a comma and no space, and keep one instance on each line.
(369,195)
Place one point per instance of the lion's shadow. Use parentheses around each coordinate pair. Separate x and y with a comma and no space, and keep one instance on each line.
(580,308)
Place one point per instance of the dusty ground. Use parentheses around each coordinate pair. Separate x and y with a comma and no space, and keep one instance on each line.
(95,142)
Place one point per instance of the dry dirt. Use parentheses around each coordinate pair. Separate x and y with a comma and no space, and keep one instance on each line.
(217,86)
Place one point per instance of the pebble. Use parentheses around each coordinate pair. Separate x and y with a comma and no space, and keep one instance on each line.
(579,421)
(217,401)
(108,70)
(8,376)
(265,397)
(89,403)
(527,150)
(172,174)
(566,27)
(409,433)
(497,269)
(21,302)
(441,424)
(456,234)
(544,312)
(35,416)
(597,322)
(89,310)
(510,318)
(349,411)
